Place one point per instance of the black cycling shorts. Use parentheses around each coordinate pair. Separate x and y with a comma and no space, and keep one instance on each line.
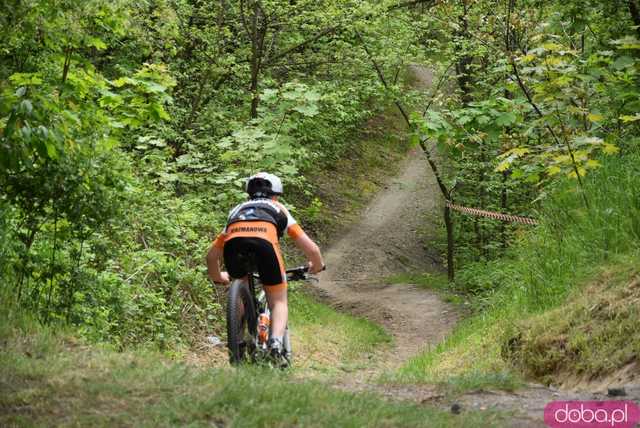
(241,253)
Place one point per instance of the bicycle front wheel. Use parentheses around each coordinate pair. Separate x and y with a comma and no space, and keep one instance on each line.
(241,322)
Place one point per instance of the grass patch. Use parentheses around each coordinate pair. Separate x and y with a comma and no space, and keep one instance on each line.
(468,359)
(328,341)
(434,281)
(543,288)
(48,379)
(594,333)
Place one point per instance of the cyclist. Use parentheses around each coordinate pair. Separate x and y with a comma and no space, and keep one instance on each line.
(255,227)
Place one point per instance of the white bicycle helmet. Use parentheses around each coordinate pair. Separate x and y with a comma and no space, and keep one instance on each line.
(263,185)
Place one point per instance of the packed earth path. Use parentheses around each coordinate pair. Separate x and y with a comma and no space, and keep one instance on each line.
(385,242)
(395,235)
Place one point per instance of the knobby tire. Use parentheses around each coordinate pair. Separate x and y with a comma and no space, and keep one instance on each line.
(241,321)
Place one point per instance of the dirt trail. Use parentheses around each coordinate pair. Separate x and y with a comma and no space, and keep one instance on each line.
(385,242)
(390,238)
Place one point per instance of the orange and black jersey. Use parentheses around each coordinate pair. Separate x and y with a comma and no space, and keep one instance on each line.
(256,227)
(260,218)
(263,210)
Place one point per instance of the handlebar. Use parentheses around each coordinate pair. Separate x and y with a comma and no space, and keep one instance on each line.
(299,273)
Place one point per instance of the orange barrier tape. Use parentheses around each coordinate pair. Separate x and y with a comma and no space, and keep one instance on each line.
(492,214)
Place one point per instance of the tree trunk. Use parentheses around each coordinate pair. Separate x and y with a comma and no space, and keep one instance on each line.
(634,9)
(503,208)
(258,33)
(450,243)
(463,66)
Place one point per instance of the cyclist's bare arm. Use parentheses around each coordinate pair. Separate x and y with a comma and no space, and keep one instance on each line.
(303,242)
(213,265)
(311,251)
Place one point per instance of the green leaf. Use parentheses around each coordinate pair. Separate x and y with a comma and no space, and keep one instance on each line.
(553,170)
(464,119)
(96,43)
(308,110)
(505,164)
(26,79)
(552,47)
(628,42)
(25,107)
(269,95)
(506,119)
(483,120)
(312,96)
(592,164)
(532,178)
(587,141)
(517,173)
(629,118)
(623,62)
(154,88)
(582,171)
(118,83)
(110,99)
(527,58)
(159,112)
(610,149)
(230,156)
(52,152)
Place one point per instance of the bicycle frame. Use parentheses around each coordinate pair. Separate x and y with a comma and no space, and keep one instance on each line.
(257,304)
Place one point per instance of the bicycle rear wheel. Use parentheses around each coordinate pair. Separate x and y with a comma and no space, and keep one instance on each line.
(241,322)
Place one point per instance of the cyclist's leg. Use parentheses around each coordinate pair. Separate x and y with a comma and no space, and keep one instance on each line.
(273,277)
(277,298)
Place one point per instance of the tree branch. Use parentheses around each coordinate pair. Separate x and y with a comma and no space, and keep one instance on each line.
(423,145)
(300,46)
(550,129)
(410,3)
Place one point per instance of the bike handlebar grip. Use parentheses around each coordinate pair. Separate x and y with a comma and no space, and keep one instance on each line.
(306,268)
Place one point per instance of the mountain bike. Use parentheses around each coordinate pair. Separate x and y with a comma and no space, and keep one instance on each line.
(248,318)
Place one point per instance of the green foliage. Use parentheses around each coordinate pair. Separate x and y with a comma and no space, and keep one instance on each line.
(126,132)
(535,276)
(61,117)
(127,129)
(549,297)
(531,93)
